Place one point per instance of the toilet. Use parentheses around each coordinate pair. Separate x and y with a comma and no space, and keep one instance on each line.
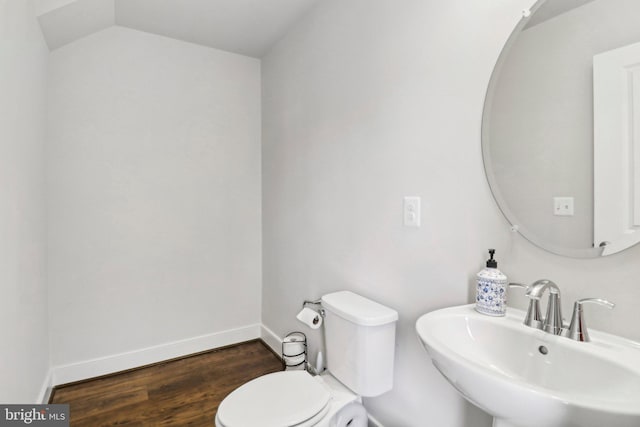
(360,341)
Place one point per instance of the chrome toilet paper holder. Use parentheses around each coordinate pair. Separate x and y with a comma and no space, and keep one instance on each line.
(312,316)
(318,306)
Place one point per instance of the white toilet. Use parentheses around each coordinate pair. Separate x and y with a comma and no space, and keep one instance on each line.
(360,338)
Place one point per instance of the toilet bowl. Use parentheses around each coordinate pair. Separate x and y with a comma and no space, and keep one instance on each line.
(360,344)
(292,399)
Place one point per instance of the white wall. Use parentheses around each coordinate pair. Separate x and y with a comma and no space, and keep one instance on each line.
(153,189)
(364,103)
(24,353)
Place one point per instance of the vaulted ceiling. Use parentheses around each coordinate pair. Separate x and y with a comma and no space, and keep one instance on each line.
(247,27)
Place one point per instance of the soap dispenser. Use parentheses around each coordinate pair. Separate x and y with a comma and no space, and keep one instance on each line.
(491,290)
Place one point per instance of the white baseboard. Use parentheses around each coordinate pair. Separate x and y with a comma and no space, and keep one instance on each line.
(120,362)
(271,339)
(45,390)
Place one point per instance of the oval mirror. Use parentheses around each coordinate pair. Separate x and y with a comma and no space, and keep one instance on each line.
(561,127)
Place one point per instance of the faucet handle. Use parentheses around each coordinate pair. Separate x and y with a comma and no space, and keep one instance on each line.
(600,301)
(533,318)
(578,328)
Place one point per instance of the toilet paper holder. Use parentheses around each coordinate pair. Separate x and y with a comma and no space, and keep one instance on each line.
(294,351)
(312,316)
(317,303)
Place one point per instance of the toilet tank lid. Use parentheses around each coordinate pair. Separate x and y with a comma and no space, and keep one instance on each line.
(358,309)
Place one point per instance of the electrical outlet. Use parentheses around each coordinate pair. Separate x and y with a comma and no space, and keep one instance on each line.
(563,206)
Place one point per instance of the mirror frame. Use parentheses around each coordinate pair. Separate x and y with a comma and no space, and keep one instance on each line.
(516,226)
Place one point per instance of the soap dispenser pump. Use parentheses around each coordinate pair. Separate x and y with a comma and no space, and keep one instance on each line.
(491,289)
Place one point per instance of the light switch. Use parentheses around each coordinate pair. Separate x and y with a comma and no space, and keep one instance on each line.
(563,206)
(412,211)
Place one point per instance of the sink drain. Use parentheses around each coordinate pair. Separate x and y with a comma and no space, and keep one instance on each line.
(543,350)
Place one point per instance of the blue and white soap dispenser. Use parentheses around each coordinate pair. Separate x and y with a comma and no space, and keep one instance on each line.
(491,295)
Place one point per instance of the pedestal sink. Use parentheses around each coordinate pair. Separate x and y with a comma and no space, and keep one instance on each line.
(525,377)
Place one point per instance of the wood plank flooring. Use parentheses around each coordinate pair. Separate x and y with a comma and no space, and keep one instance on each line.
(184,392)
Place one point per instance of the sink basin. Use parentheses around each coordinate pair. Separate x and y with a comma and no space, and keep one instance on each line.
(526,377)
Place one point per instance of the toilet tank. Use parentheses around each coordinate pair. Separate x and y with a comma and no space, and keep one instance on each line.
(360,337)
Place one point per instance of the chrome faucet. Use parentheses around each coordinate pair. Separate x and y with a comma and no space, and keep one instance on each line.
(578,328)
(552,322)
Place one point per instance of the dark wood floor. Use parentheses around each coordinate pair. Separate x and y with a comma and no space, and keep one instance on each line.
(184,392)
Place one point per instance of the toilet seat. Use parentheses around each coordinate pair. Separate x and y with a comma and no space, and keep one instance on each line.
(281,399)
